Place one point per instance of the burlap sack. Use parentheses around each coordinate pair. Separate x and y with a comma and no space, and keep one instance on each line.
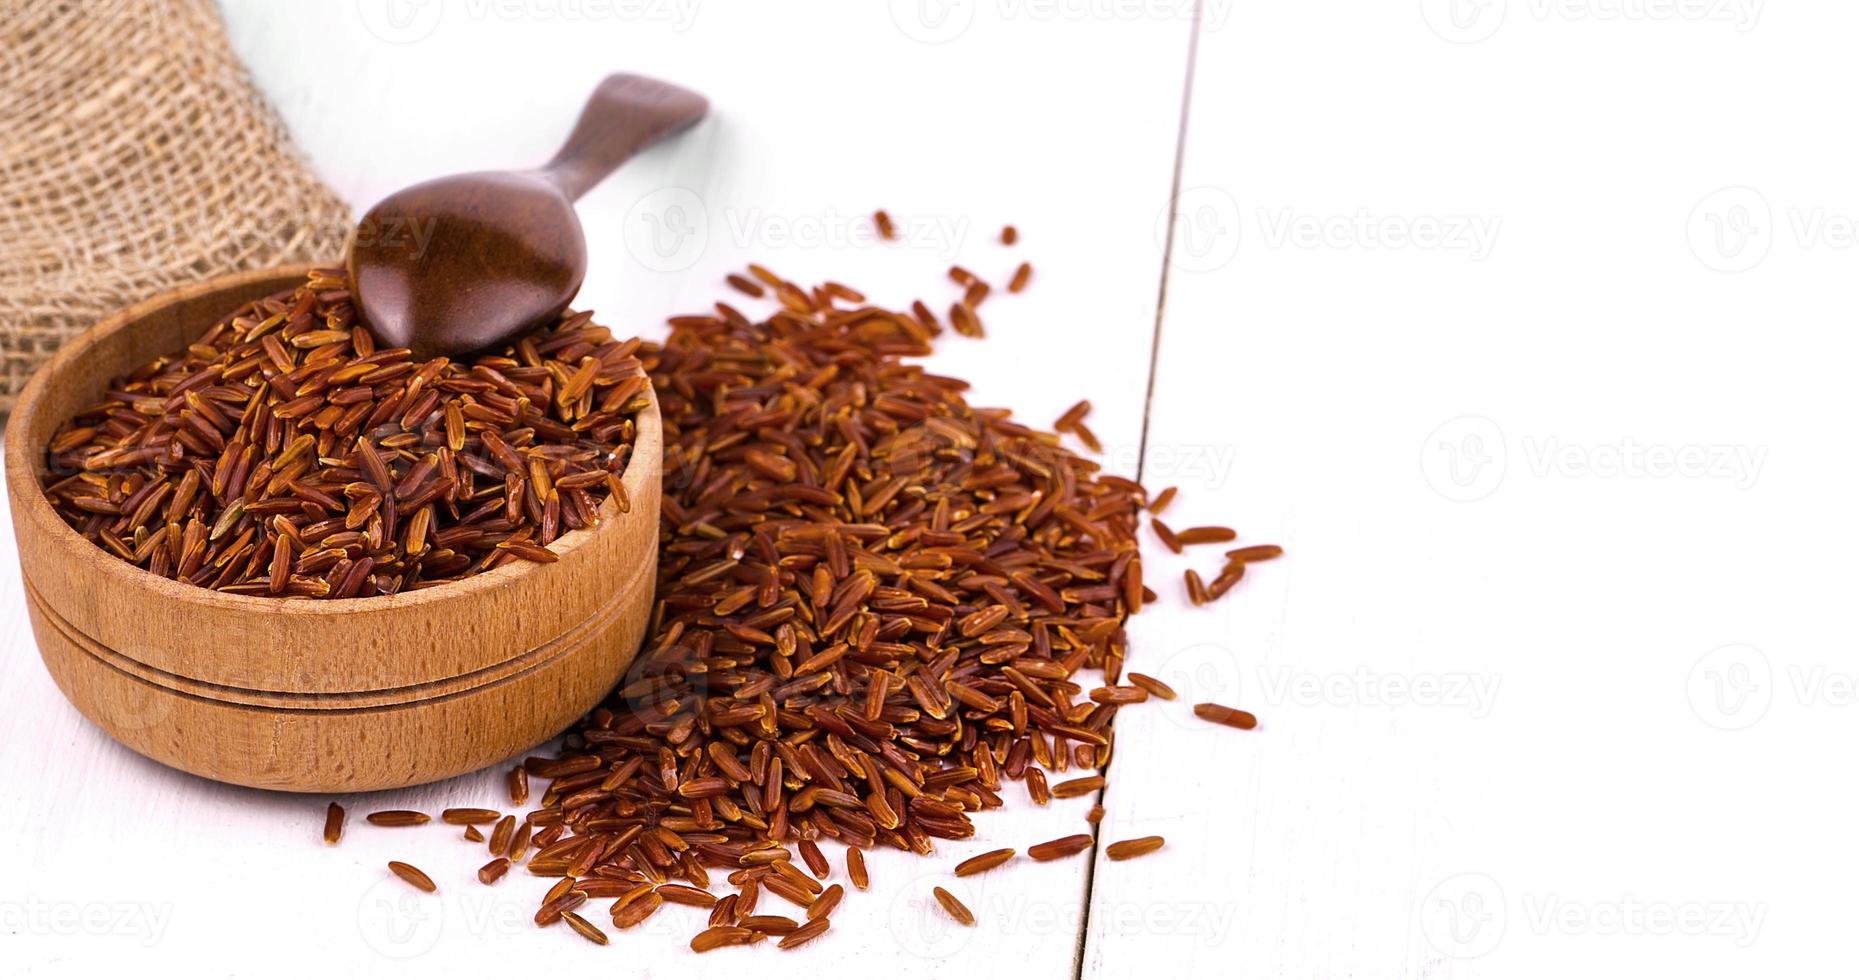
(135,155)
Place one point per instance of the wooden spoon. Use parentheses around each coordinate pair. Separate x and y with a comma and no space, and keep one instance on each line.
(460,263)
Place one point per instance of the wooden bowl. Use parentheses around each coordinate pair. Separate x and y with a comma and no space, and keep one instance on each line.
(316,695)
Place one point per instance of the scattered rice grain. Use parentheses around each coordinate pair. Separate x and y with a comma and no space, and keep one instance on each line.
(412,876)
(806,933)
(1123,850)
(953,906)
(1078,787)
(1206,535)
(826,903)
(984,862)
(1221,714)
(398,818)
(1152,685)
(1062,847)
(1021,276)
(1166,534)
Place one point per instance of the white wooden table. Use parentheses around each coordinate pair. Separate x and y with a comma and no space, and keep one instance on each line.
(1525,326)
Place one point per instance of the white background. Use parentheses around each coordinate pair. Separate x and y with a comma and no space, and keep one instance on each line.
(1522,324)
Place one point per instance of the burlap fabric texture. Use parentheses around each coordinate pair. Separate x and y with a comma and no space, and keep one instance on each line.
(135,155)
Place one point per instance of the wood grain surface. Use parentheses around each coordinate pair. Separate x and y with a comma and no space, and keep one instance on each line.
(316,696)
(1441,297)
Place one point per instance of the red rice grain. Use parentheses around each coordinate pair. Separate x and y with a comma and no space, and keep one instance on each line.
(719,936)
(789,890)
(774,925)
(552,909)
(1152,685)
(412,876)
(855,869)
(962,320)
(954,907)
(1123,850)
(1206,535)
(637,911)
(1197,591)
(519,786)
(1021,276)
(984,862)
(1036,787)
(1078,787)
(398,818)
(826,903)
(1226,580)
(495,869)
(332,823)
(1062,847)
(1257,552)
(501,834)
(1223,715)
(723,913)
(587,929)
(810,853)
(806,933)
(686,895)
(560,888)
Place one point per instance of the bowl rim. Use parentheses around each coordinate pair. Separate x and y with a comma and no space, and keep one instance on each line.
(23,472)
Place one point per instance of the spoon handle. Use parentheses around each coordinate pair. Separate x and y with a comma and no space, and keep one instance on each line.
(626,114)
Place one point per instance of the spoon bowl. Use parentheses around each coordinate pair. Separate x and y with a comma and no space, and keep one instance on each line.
(464,262)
